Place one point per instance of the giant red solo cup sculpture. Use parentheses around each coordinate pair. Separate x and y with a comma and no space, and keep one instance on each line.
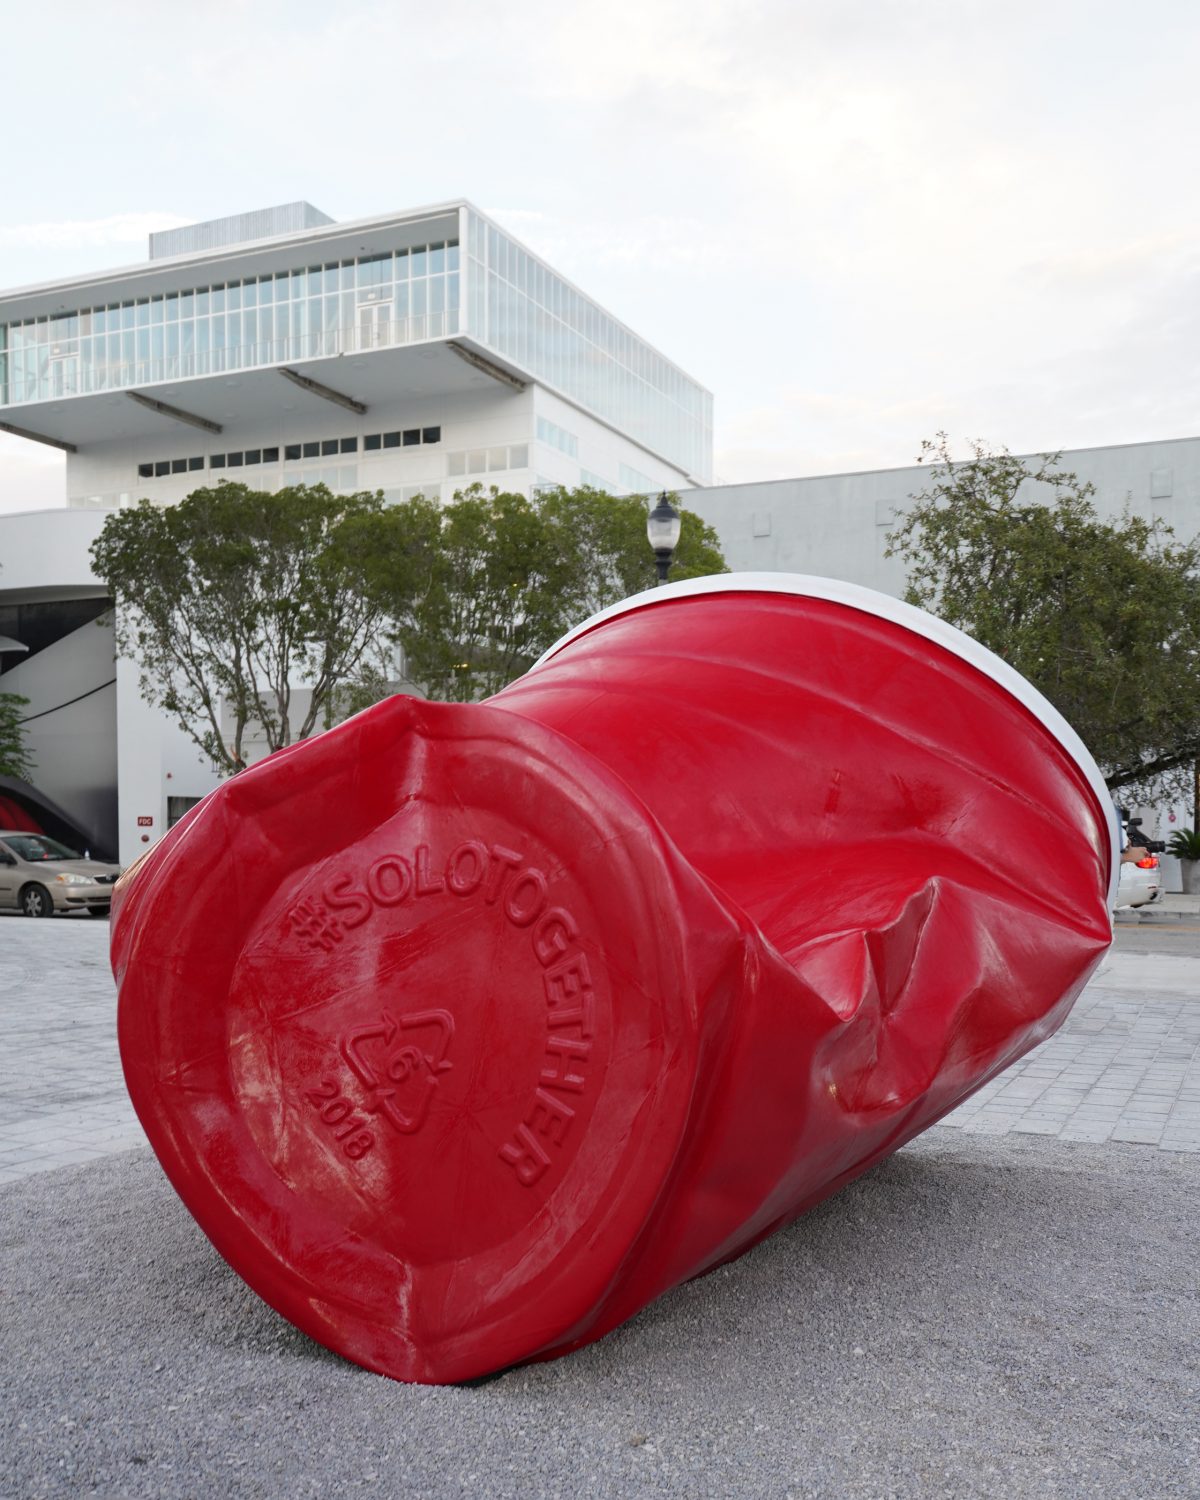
(464,1031)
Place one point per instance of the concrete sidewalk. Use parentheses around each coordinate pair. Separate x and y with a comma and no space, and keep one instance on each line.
(1183,905)
(1125,1066)
(62,1096)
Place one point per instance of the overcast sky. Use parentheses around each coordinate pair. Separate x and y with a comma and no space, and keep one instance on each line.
(855,221)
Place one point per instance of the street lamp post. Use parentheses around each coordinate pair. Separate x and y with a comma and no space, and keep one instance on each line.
(662,529)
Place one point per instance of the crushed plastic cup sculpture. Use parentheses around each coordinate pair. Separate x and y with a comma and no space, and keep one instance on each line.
(466,1030)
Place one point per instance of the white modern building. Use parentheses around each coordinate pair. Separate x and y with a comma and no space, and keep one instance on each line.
(409,353)
(837,524)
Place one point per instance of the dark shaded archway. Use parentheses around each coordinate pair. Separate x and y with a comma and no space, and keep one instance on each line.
(38,814)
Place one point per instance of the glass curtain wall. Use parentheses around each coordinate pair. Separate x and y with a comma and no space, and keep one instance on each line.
(338,308)
(530,315)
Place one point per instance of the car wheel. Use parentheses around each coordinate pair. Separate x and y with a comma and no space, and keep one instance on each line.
(97,911)
(36,902)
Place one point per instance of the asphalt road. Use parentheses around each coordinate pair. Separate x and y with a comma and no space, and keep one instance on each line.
(976,1317)
(1157,932)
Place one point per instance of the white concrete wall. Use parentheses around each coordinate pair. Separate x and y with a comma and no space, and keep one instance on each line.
(602,450)
(487,417)
(105,474)
(836,524)
(155,760)
(44,554)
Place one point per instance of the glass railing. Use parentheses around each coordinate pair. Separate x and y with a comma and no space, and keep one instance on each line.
(68,375)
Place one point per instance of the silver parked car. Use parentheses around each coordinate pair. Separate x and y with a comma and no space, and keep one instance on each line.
(39,876)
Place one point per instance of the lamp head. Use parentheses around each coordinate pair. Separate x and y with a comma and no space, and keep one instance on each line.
(663,525)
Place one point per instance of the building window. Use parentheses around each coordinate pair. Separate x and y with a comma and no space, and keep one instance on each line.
(177,806)
(527,313)
(558,437)
(293,453)
(410,492)
(341,478)
(488,460)
(174,466)
(409,437)
(637,482)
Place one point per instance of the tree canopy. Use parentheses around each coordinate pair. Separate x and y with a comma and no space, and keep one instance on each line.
(1103,617)
(235,596)
(480,587)
(15,759)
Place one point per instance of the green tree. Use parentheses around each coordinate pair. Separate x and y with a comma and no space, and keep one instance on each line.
(15,759)
(495,576)
(607,535)
(1103,617)
(482,586)
(230,599)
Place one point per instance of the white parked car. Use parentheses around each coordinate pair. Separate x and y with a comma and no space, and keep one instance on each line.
(1140,884)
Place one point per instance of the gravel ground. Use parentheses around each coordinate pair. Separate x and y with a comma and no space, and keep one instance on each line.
(1014,1317)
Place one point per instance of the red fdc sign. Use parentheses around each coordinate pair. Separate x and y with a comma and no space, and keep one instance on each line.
(145,822)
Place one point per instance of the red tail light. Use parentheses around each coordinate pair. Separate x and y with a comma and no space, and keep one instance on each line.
(1149,863)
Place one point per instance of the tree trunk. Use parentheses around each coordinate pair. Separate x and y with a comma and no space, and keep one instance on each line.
(1196,795)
